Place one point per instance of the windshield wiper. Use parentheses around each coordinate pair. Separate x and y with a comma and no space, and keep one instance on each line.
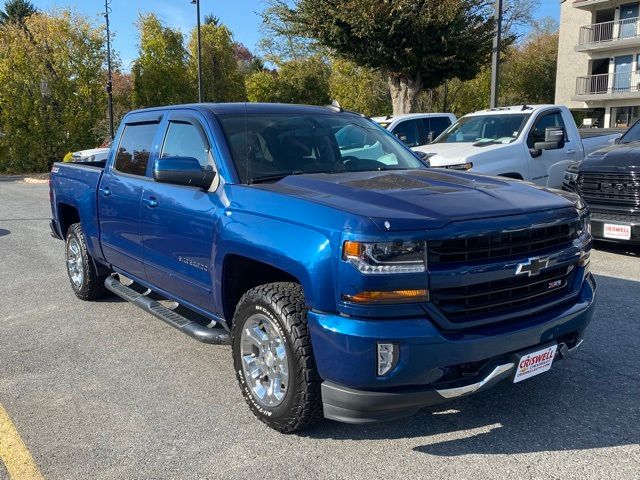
(279,176)
(272,178)
(491,142)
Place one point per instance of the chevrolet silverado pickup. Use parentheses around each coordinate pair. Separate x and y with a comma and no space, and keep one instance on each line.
(609,181)
(352,281)
(533,143)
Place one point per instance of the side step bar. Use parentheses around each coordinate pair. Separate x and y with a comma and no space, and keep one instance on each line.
(213,336)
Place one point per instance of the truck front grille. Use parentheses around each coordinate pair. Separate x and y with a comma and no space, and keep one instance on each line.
(464,304)
(522,242)
(610,188)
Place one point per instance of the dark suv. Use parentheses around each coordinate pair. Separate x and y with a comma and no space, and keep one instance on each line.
(609,181)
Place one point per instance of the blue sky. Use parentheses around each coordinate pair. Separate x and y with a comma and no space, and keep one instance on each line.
(241,16)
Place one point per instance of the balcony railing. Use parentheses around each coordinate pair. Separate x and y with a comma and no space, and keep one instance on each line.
(608,83)
(609,31)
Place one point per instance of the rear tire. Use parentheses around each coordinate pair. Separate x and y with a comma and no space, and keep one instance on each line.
(85,281)
(273,357)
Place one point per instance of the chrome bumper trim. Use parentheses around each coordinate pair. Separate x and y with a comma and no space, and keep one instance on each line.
(474,387)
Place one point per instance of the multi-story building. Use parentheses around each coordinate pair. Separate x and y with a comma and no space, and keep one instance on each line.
(599,60)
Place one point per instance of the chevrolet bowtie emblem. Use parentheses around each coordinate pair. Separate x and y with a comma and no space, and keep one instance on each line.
(533,266)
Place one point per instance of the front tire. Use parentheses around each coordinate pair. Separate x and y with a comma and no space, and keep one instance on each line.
(273,357)
(85,281)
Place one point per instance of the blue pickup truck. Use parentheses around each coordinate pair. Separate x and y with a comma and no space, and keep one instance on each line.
(352,281)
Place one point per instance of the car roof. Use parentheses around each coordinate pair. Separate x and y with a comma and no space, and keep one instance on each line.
(511,110)
(391,118)
(249,108)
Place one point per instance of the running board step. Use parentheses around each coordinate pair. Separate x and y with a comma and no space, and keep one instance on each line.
(213,336)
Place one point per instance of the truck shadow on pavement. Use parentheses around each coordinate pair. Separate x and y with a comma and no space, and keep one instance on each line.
(588,401)
(618,248)
(4,231)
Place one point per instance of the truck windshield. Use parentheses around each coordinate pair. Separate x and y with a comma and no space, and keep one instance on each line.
(631,135)
(268,147)
(485,129)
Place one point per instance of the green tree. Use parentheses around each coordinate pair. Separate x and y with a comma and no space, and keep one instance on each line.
(279,42)
(417,43)
(161,73)
(51,89)
(529,74)
(222,79)
(16,11)
(296,81)
(359,88)
(122,103)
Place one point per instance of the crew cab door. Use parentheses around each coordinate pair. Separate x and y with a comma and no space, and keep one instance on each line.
(120,194)
(178,221)
(542,162)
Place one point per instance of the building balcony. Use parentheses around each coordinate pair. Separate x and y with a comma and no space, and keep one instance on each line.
(591,4)
(609,35)
(608,86)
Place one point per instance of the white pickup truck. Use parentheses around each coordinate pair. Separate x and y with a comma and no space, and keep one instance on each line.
(533,143)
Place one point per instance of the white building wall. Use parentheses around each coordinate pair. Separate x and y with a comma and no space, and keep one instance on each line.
(571,64)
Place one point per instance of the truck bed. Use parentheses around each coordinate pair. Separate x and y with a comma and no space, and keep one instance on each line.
(75,186)
(599,132)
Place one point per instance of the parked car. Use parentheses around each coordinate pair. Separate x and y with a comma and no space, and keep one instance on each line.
(91,155)
(533,143)
(416,129)
(609,181)
(350,287)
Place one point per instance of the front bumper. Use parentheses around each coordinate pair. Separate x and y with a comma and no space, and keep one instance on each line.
(599,220)
(430,359)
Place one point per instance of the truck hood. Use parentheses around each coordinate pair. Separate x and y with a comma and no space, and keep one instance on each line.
(418,199)
(615,157)
(443,154)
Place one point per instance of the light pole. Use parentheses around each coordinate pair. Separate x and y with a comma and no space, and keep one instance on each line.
(107,11)
(197,4)
(495,58)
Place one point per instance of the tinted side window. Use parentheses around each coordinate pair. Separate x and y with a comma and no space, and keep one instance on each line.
(539,131)
(134,149)
(408,133)
(186,140)
(436,125)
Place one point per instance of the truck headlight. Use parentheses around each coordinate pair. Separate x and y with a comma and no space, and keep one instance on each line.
(570,177)
(379,258)
(585,223)
(460,166)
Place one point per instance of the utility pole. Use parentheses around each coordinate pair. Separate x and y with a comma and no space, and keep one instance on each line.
(495,58)
(197,4)
(107,11)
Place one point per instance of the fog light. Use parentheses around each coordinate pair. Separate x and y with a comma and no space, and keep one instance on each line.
(585,259)
(387,357)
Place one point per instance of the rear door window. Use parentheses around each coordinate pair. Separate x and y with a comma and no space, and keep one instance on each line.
(408,132)
(434,126)
(134,149)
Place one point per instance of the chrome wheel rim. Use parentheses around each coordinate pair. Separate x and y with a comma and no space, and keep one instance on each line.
(74,262)
(264,361)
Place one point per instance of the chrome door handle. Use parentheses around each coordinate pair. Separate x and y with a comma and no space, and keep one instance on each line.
(105,191)
(151,202)
(569,152)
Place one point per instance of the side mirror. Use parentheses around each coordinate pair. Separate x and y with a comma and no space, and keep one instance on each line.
(423,156)
(182,171)
(553,139)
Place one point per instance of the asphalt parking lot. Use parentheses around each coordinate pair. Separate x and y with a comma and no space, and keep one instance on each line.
(103,390)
